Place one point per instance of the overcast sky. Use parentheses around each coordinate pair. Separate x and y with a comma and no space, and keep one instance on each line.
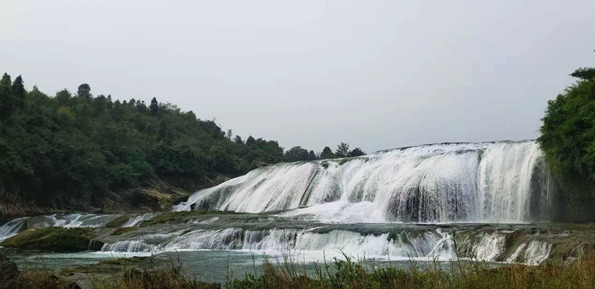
(376,74)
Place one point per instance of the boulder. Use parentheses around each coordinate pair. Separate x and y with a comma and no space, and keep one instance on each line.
(95,245)
(9,273)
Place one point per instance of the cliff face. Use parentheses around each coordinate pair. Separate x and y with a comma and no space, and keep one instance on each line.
(159,195)
(152,197)
(575,202)
(156,196)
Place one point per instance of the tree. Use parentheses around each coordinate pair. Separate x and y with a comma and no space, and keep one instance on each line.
(18,92)
(311,155)
(356,152)
(584,73)
(7,103)
(63,96)
(342,150)
(568,131)
(568,142)
(250,141)
(229,134)
(327,153)
(296,154)
(84,90)
(68,150)
(154,106)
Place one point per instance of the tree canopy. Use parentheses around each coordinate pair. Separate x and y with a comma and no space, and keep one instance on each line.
(78,146)
(568,130)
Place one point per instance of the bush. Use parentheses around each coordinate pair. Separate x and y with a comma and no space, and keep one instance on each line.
(568,141)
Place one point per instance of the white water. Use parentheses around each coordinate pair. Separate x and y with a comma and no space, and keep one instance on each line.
(490,246)
(470,182)
(11,228)
(74,220)
(310,246)
(442,183)
(537,252)
(515,255)
(136,221)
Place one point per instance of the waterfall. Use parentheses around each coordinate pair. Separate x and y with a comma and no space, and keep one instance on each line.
(365,207)
(312,245)
(431,244)
(136,221)
(12,228)
(537,252)
(498,182)
(74,220)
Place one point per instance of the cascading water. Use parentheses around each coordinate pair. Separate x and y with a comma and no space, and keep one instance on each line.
(410,242)
(136,221)
(404,245)
(364,207)
(11,228)
(74,220)
(468,182)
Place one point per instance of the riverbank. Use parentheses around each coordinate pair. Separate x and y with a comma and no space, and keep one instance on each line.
(152,272)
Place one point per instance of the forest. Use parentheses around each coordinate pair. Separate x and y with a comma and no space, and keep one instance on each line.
(79,146)
(568,141)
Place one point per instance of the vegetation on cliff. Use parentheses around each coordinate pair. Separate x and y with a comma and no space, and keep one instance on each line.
(568,141)
(70,149)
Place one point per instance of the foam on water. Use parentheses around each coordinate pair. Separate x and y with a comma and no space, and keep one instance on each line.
(74,220)
(470,182)
(312,246)
(12,228)
(136,221)
(537,252)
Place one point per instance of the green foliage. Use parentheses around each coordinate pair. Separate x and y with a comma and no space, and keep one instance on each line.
(584,73)
(297,153)
(84,90)
(55,150)
(154,107)
(76,148)
(7,103)
(568,141)
(52,238)
(347,274)
(327,153)
(342,150)
(568,132)
(356,152)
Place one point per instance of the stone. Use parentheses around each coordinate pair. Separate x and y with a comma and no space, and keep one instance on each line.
(9,273)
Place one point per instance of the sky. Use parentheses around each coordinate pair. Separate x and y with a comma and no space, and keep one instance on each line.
(376,74)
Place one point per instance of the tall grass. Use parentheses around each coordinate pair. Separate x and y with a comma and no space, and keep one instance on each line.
(345,273)
(349,274)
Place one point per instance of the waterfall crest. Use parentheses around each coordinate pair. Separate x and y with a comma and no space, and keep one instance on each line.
(464,182)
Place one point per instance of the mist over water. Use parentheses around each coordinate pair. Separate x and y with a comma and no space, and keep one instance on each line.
(500,182)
